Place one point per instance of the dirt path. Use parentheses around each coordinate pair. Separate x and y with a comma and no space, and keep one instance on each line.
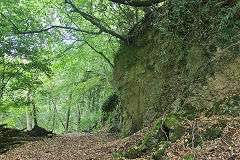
(101,145)
(73,146)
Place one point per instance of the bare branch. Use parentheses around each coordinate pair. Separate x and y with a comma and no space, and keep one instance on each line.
(52,27)
(14,26)
(17,31)
(95,22)
(88,17)
(137,3)
(85,42)
(100,54)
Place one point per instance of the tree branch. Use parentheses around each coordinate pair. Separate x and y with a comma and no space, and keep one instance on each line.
(52,27)
(100,54)
(95,22)
(136,3)
(17,31)
(14,26)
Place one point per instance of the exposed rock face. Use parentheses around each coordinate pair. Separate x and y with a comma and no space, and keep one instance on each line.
(158,74)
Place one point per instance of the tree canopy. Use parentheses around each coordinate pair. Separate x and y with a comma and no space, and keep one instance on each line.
(103,17)
(57,58)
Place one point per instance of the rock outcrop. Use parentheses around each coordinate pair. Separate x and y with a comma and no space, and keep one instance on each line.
(183,58)
(157,74)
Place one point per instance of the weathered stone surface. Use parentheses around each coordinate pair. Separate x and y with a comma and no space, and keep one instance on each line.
(158,74)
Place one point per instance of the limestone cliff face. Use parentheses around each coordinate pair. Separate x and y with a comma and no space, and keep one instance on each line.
(156,74)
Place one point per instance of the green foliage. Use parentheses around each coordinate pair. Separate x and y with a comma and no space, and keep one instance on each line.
(14,117)
(87,82)
(21,66)
(200,21)
(27,61)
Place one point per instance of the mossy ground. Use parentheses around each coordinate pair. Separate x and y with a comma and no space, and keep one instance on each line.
(157,140)
(204,130)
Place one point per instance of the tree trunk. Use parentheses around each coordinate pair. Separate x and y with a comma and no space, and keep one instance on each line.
(56,111)
(67,120)
(78,119)
(68,113)
(3,78)
(54,116)
(35,115)
(28,118)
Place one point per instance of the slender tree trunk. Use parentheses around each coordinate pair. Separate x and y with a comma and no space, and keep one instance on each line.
(67,120)
(55,109)
(54,116)
(3,78)
(78,119)
(68,113)
(28,118)
(35,115)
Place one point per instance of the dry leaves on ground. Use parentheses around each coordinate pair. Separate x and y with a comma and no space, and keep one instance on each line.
(74,146)
(101,145)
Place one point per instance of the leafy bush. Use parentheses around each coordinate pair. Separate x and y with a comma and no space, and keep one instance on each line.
(200,21)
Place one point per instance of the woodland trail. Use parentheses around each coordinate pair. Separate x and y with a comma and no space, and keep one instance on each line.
(74,146)
(101,145)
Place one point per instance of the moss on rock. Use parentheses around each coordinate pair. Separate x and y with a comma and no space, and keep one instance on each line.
(176,129)
(211,133)
(153,137)
(163,131)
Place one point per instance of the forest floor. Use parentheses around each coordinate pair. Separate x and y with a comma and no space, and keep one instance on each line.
(98,145)
(101,145)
